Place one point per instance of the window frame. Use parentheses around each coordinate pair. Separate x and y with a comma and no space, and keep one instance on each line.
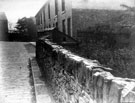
(63,5)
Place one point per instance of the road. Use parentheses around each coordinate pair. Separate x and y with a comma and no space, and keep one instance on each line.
(15,85)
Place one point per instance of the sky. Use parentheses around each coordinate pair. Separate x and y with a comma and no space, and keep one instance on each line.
(102,4)
(16,9)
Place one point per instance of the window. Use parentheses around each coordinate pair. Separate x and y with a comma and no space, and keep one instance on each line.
(49,11)
(56,7)
(63,25)
(56,25)
(44,18)
(63,5)
(69,26)
(49,26)
(41,18)
(37,21)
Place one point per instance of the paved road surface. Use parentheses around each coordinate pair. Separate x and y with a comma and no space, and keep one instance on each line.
(15,84)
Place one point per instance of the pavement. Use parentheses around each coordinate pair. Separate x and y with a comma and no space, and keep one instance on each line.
(43,94)
(15,81)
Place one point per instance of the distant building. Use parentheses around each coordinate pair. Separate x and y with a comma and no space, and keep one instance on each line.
(3,27)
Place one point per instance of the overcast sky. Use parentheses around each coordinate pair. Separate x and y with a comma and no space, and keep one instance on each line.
(102,4)
(15,9)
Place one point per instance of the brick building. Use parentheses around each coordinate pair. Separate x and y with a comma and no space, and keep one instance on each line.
(3,27)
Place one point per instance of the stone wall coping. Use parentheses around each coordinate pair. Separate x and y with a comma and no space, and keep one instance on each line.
(127,85)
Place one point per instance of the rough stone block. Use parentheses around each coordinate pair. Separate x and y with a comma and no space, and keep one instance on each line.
(114,93)
(41,89)
(79,80)
(129,98)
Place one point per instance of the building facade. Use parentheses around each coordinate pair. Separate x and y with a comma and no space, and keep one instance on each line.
(55,13)
(3,27)
(72,19)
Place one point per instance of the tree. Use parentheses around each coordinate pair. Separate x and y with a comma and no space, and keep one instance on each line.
(26,28)
(22,26)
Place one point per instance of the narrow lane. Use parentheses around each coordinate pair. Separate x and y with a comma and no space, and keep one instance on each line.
(15,84)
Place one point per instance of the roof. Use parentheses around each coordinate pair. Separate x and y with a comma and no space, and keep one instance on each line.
(3,16)
(42,7)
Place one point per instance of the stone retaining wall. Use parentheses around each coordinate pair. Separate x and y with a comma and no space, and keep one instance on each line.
(78,80)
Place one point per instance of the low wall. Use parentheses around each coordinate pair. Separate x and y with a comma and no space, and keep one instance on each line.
(78,80)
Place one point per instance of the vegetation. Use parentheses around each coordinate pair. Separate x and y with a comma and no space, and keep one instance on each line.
(108,40)
(26,29)
(101,44)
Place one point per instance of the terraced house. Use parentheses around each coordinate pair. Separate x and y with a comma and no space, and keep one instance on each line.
(73,17)
(55,13)
(63,15)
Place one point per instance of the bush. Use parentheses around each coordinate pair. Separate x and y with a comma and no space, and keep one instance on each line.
(101,44)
